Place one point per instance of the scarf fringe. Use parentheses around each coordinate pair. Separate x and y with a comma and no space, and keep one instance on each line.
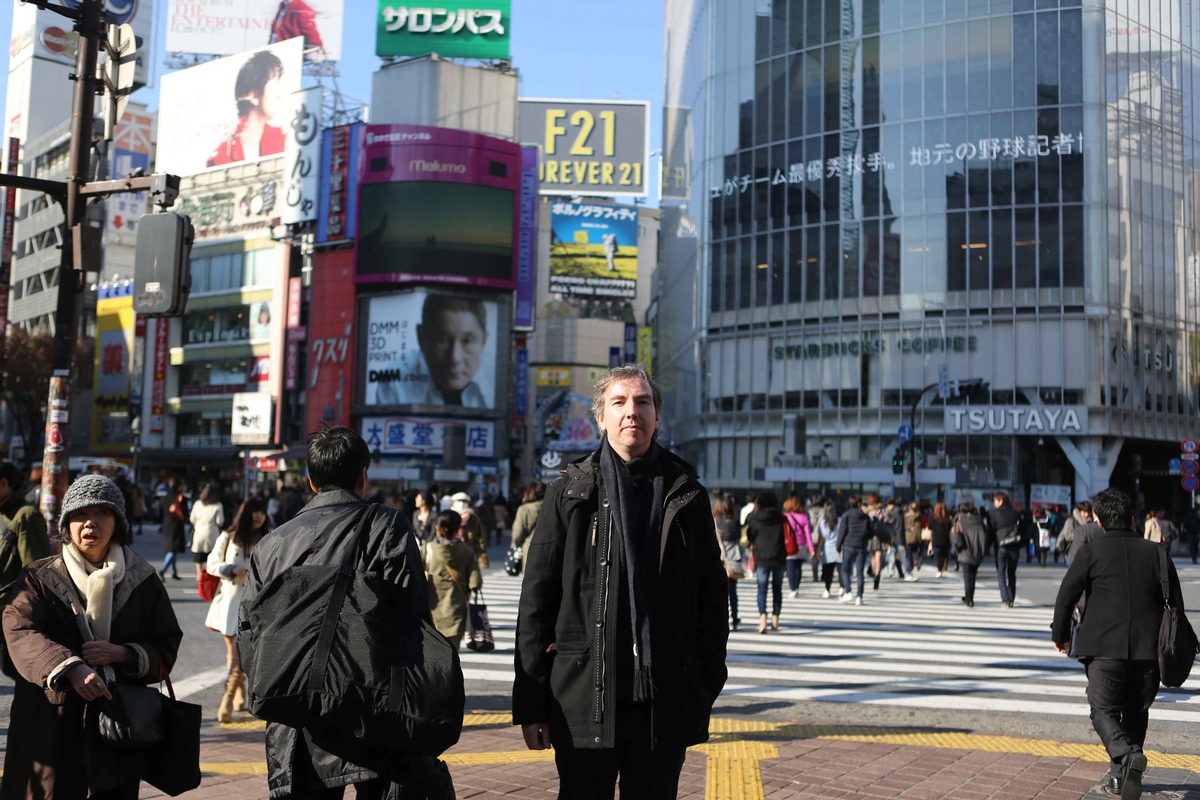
(643,685)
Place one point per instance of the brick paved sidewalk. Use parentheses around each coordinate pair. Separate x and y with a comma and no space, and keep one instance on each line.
(747,758)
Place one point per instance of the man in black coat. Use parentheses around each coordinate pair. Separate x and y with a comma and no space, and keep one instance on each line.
(302,765)
(1119,572)
(1006,527)
(621,629)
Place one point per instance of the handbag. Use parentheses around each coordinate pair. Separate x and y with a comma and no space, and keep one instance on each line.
(789,539)
(926,534)
(1176,640)
(133,719)
(479,629)
(176,508)
(206,585)
(174,767)
(1076,622)
(311,622)
(734,570)
(512,562)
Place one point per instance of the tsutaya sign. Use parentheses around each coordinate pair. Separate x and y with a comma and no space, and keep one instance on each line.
(1017,420)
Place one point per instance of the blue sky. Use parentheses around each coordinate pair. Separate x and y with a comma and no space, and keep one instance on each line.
(562,48)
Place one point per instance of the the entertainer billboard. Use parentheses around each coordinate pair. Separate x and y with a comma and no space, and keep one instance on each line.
(226,27)
(229,111)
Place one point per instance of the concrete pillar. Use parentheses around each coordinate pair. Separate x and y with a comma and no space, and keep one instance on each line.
(1094,459)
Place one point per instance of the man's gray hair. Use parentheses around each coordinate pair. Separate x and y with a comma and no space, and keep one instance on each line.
(622,373)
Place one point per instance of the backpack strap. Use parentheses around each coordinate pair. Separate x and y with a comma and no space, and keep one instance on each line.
(1162,577)
(337,596)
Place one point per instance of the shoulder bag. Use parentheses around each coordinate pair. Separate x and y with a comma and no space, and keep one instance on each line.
(329,649)
(479,629)
(174,766)
(789,538)
(1176,639)
(132,720)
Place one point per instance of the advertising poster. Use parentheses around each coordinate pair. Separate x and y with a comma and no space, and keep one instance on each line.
(229,111)
(593,250)
(565,422)
(302,157)
(222,27)
(598,148)
(431,348)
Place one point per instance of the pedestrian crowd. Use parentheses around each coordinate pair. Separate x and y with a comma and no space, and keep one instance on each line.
(630,570)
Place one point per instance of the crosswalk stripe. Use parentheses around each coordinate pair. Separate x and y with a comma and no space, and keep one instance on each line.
(910,645)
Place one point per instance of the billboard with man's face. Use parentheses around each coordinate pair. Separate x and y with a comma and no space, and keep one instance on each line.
(428,348)
(221,27)
(229,111)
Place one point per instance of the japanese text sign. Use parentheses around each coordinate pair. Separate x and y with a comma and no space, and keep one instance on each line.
(451,28)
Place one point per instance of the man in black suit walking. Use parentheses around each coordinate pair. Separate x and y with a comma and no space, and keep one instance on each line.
(1118,638)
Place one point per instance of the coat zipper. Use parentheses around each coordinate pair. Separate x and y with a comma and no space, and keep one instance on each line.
(598,649)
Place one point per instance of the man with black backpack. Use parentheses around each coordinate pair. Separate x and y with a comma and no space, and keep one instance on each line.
(376,579)
(23,535)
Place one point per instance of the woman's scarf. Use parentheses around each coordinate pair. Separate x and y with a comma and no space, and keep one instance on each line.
(96,584)
(639,516)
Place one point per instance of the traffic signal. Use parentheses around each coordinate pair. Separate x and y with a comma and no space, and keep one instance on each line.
(161,279)
(898,462)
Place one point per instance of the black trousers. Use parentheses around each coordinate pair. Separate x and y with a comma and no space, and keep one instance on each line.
(1120,693)
(645,774)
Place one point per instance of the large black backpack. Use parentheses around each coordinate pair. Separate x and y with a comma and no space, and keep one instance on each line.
(329,649)
(1177,645)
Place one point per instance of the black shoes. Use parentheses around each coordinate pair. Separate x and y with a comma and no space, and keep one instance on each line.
(1132,767)
(968,603)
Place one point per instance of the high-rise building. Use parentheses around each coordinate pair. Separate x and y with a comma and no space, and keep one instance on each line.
(870,207)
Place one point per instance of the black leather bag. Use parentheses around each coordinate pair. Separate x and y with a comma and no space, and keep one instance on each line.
(133,719)
(479,628)
(1177,643)
(326,648)
(174,767)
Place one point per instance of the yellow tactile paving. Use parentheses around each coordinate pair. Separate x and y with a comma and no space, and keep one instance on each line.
(737,748)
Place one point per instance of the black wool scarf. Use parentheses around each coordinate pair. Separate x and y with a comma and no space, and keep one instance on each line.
(639,517)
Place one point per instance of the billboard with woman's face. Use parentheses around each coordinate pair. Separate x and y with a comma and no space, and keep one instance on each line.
(229,111)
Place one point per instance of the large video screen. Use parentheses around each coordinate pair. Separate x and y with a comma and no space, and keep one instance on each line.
(438,232)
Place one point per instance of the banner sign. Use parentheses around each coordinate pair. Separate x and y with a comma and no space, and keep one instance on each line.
(223,27)
(521,391)
(158,383)
(593,249)
(338,212)
(589,147)
(302,157)
(1017,420)
(450,28)
(1048,494)
(229,111)
(252,418)
(424,435)
(527,215)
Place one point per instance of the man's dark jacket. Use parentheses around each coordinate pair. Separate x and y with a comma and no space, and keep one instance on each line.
(568,627)
(1005,521)
(319,534)
(853,529)
(1119,571)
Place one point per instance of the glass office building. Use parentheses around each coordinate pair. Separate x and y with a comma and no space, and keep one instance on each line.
(977,217)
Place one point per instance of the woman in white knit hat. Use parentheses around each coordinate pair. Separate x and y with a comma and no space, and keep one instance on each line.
(76,621)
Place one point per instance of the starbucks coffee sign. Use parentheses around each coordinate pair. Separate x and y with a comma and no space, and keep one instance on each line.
(1017,420)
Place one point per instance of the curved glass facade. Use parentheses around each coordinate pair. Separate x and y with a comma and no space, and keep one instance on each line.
(864,199)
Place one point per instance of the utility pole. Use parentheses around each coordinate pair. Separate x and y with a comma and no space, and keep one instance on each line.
(72,195)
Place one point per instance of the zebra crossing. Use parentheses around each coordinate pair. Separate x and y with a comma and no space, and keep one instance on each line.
(912,645)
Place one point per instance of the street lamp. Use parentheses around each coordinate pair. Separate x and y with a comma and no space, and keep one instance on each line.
(970,383)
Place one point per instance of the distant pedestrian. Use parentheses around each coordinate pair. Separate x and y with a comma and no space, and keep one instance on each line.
(208,518)
(424,516)
(174,534)
(938,548)
(801,532)
(230,559)
(970,543)
(1080,529)
(525,519)
(765,529)
(725,515)
(1191,532)
(473,533)
(912,541)
(23,536)
(1119,573)
(1006,524)
(453,574)
(853,530)
(831,558)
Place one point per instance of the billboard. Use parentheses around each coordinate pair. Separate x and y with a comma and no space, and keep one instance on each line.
(222,28)
(302,157)
(431,348)
(52,37)
(337,202)
(437,206)
(588,147)
(229,111)
(593,249)
(454,29)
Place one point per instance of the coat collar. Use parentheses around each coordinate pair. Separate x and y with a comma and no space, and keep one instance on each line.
(332,497)
(56,579)
(583,474)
